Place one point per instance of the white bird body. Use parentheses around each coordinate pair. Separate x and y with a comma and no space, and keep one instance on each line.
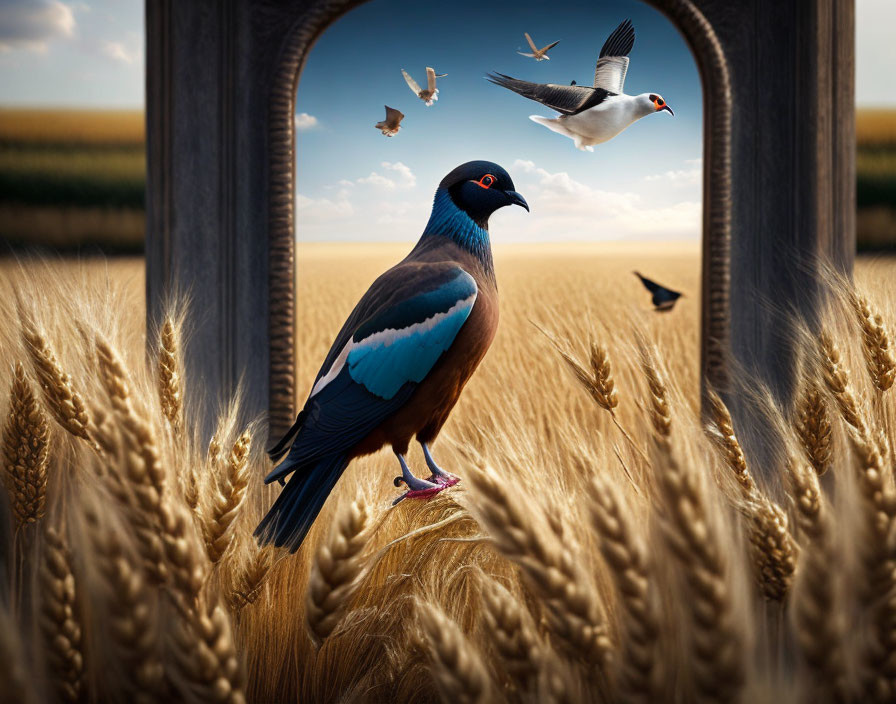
(600,123)
(591,115)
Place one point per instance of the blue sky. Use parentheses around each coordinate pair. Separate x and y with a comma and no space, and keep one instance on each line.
(355,184)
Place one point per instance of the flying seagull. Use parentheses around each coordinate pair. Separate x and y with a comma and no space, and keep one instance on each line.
(398,365)
(392,123)
(431,94)
(538,54)
(663,298)
(592,115)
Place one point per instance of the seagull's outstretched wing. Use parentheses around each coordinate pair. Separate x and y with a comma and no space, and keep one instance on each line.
(612,65)
(568,100)
(398,331)
(549,46)
(531,43)
(412,84)
(430,79)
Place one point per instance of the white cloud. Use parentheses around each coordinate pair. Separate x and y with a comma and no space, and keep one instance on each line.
(566,209)
(304,121)
(31,24)
(401,177)
(117,51)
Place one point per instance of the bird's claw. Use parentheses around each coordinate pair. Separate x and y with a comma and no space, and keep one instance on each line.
(427,493)
(444,480)
(398,481)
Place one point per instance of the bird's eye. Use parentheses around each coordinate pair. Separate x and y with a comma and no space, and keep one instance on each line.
(486,181)
(659,101)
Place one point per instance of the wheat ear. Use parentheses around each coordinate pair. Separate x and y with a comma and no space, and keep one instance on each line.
(455,663)
(716,642)
(734,454)
(815,612)
(228,499)
(626,555)
(65,403)
(876,344)
(660,413)
(250,577)
(836,377)
(513,634)
(58,617)
(338,568)
(169,380)
(813,426)
(25,443)
(128,606)
(573,610)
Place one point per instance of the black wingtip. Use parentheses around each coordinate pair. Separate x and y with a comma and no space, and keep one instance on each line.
(621,41)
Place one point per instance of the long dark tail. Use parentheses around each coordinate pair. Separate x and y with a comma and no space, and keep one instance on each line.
(292,514)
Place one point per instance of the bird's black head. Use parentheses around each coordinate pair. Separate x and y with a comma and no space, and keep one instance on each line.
(479,188)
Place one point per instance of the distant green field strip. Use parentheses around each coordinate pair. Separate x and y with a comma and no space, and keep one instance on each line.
(77,175)
(876,177)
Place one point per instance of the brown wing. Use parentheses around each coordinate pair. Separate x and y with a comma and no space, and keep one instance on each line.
(393,117)
(531,43)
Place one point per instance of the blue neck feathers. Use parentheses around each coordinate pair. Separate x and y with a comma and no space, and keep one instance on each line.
(447,220)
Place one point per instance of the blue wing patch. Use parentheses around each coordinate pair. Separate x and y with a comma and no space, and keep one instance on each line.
(403,343)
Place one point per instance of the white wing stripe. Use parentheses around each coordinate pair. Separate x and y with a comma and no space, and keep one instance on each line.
(386,338)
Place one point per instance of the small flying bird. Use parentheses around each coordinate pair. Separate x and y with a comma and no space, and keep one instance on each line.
(538,54)
(392,123)
(431,94)
(663,298)
(592,115)
(402,358)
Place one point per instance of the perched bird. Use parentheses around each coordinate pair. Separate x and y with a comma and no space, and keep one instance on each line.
(663,298)
(392,123)
(538,54)
(431,93)
(592,115)
(402,358)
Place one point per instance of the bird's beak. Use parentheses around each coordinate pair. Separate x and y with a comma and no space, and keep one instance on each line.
(515,198)
(666,107)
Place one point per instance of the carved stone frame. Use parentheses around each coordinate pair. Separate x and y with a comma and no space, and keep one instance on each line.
(311,23)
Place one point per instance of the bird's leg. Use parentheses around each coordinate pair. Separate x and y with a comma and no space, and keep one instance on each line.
(417,488)
(439,475)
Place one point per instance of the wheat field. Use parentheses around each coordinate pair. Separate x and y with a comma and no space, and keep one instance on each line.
(604,545)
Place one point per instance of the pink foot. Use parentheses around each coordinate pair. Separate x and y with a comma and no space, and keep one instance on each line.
(445,480)
(429,492)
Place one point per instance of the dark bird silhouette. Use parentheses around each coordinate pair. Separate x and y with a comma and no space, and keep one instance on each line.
(591,115)
(663,298)
(398,365)
(392,123)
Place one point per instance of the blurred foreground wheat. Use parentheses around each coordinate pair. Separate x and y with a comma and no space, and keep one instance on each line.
(608,544)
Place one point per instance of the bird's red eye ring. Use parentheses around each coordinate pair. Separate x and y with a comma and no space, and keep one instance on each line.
(486,181)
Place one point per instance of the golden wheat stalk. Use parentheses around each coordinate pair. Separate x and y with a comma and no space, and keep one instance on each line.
(816,614)
(209,667)
(228,499)
(512,632)
(734,454)
(836,378)
(338,568)
(876,344)
(660,413)
(65,403)
(250,577)
(59,619)
(169,381)
(454,661)
(25,449)
(127,604)
(813,426)
(773,548)
(573,610)
(716,641)
(626,555)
